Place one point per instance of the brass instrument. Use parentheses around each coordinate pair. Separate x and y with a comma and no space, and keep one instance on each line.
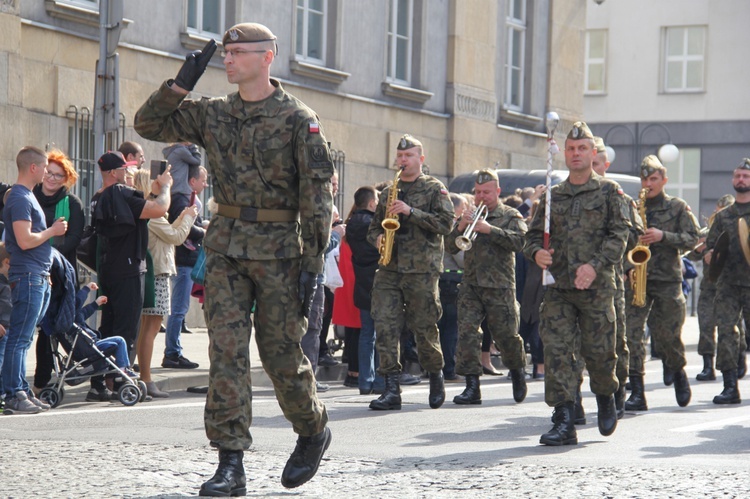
(466,240)
(390,224)
(639,257)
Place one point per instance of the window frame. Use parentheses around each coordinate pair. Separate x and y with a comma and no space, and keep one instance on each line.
(592,61)
(677,185)
(306,13)
(392,47)
(515,24)
(684,59)
(199,19)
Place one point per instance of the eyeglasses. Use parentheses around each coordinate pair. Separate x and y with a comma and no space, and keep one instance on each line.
(55,176)
(236,52)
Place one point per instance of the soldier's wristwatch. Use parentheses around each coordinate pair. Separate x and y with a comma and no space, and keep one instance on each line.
(411,211)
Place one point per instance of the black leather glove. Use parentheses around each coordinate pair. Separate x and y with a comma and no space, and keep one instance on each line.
(194,66)
(308,283)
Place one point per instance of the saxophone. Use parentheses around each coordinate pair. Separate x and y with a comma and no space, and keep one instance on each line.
(639,257)
(390,224)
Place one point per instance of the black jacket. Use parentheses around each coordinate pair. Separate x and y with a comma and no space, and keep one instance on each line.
(365,257)
(184,257)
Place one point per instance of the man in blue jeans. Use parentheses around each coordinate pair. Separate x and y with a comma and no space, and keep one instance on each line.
(26,236)
(185,258)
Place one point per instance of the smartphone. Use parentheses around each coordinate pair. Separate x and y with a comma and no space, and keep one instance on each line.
(158,167)
(192,199)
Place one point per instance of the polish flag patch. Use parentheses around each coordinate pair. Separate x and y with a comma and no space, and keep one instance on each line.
(314,128)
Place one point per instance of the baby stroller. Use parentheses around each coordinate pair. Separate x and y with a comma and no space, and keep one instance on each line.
(84,360)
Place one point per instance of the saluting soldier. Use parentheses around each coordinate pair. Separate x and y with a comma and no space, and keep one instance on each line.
(405,291)
(488,288)
(271,171)
(589,225)
(733,286)
(670,230)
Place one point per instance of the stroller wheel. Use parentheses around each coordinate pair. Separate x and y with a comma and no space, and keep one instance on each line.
(129,395)
(51,396)
(144,390)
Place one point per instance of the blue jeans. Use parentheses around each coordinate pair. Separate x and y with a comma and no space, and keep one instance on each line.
(368,355)
(182,284)
(121,353)
(3,341)
(30,296)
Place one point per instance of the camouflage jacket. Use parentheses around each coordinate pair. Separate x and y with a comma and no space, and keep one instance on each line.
(491,261)
(673,217)
(736,270)
(418,245)
(589,223)
(270,155)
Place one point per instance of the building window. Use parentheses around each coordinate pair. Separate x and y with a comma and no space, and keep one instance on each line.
(88,4)
(684,59)
(206,17)
(514,61)
(684,177)
(400,24)
(312,23)
(596,61)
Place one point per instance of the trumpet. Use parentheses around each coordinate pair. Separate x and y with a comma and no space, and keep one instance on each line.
(466,240)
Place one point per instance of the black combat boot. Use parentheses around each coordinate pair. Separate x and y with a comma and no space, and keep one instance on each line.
(620,402)
(741,366)
(518,377)
(637,400)
(437,390)
(580,414)
(708,373)
(229,479)
(472,394)
(668,375)
(681,388)
(391,397)
(606,414)
(731,393)
(304,461)
(563,430)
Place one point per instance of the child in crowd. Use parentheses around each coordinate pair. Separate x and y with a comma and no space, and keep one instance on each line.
(5,304)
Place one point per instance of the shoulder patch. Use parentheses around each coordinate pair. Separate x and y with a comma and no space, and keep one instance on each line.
(313,127)
(444,191)
(687,207)
(620,192)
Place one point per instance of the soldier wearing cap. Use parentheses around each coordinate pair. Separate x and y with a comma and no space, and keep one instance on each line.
(706,311)
(589,226)
(405,291)
(488,289)
(732,302)
(271,170)
(670,230)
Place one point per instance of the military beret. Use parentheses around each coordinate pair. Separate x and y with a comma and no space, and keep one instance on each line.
(580,131)
(407,142)
(111,161)
(248,33)
(486,175)
(651,165)
(599,145)
(745,165)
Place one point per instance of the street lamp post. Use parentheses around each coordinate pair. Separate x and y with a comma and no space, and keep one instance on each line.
(667,153)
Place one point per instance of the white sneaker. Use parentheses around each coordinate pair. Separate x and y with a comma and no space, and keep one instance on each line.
(41,405)
(322,387)
(20,404)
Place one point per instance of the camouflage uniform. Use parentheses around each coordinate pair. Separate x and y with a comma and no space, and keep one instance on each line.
(405,292)
(271,156)
(664,299)
(488,290)
(732,300)
(589,224)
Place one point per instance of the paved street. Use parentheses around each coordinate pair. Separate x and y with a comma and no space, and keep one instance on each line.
(158,449)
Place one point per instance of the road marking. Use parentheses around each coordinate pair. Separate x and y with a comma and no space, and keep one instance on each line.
(712,424)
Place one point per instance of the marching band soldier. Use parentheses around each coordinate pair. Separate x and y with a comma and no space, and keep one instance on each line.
(405,291)
(670,230)
(589,225)
(488,288)
(733,287)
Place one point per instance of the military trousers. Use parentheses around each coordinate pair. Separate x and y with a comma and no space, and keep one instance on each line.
(232,285)
(665,311)
(707,319)
(732,305)
(410,301)
(499,306)
(577,323)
